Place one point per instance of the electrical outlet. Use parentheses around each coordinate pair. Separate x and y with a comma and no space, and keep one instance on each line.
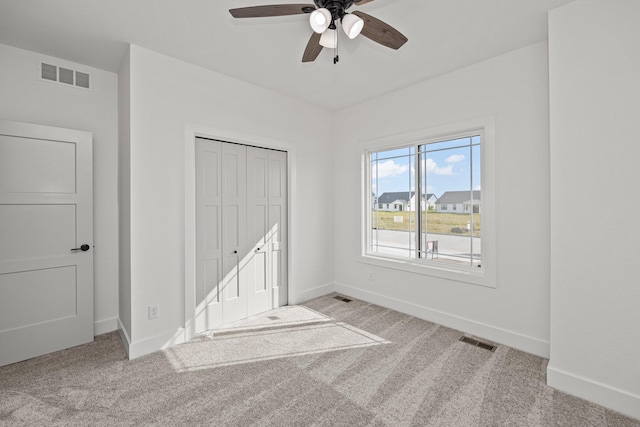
(154,311)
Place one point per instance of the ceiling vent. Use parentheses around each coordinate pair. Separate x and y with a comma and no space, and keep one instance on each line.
(64,76)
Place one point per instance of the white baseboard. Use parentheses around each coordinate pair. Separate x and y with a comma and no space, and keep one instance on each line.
(309,294)
(105,326)
(153,344)
(513,339)
(149,345)
(593,391)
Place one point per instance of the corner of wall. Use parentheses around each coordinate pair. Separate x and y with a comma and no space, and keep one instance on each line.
(309,294)
(151,345)
(124,337)
(105,326)
(124,205)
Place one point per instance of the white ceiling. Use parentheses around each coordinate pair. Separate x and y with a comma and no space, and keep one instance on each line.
(444,35)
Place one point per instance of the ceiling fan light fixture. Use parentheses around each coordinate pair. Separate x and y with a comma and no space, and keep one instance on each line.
(320,20)
(324,18)
(328,39)
(352,25)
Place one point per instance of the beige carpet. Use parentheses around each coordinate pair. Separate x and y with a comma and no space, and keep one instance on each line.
(280,333)
(345,364)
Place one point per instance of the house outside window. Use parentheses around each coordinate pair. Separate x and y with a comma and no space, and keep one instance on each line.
(452,165)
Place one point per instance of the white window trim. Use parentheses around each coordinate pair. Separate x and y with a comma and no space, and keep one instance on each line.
(485,276)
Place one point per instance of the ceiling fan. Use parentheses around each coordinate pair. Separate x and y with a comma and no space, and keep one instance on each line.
(325,15)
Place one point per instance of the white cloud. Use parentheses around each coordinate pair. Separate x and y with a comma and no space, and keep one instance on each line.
(477,188)
(455,158)
(388,169)
(432,167)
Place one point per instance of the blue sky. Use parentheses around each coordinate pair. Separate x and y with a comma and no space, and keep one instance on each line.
(447,164)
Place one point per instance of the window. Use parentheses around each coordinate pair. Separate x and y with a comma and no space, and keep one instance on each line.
(451,168)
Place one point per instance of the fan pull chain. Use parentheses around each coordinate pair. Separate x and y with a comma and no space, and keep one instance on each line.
(336,58)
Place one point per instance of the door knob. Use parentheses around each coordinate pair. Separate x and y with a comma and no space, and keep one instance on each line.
(82,248)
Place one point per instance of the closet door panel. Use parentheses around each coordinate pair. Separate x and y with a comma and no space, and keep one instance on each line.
(208,240)
(278,226)
(234,218)
(258,232)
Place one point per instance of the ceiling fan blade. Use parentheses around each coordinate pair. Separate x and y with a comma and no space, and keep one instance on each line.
(313,48)
(361,2)
(271,10)
(381,32)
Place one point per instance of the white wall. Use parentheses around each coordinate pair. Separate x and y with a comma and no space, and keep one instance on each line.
(514,89)
(124,198)
(595,287)
(169,96)
(26,98)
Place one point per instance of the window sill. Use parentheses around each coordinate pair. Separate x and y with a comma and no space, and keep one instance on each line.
(462,274)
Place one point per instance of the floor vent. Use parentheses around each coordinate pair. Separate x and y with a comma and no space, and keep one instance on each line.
(273,318)
(343,299)
(477,343)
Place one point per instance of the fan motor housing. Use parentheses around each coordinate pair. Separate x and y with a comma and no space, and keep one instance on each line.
(336,7)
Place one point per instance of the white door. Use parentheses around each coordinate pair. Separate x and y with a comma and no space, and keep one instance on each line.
(46,240)
(278,226)
(258,229)
(208,237)
(234,247)
(240,232)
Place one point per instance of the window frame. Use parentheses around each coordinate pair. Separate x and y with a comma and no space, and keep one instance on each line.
(484,276)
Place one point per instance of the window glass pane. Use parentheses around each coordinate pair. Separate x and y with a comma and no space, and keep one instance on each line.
(475,209)
(448,169)
(393,221)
